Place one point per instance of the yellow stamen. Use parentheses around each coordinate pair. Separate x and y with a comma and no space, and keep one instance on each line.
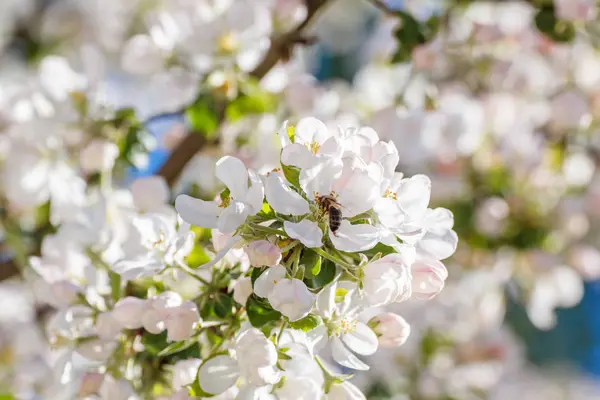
(390,195)
(313,147)
(228,43)
(225,203)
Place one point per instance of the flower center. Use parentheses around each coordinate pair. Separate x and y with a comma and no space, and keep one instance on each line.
(341,326)
(313,147)
(225,202)
(390,195)
(159,244)
(228,43)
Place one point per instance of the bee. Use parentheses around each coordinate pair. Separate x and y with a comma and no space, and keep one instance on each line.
(330,205)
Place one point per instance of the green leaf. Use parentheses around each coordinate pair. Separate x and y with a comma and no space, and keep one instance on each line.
(256,272)
(324,277)
(213,338)
(126,123)
(223,305)
(307,323)
(266,211)
(340,293)
(202,116)
(282,356)
(177,347)
(260,312)
(291,132)
(311,262)
(431,343)
(558,30)
(6,396)
(115,286)
(196,391)
(197,257)
(380,248)
(154,344)
(42,215)
(409,34)
(256,101)
(292,174)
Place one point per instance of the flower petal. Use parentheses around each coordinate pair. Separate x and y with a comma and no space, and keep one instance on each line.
(311,130)
(353,238)
(307,232)
(267,280)
(344,357)
(284,138)
(256,193)
(292,298)
(138,267)
(129,312)
(231,242)
(218,374)
(320,177)
(359,194)
(233,173)
(326,300)
(428,278)
(438,246)
(297,155)
(332,147)
(362,340)
(233,216)
(153,321)
(345,391)
(283,199)
(197,212)
(413,195)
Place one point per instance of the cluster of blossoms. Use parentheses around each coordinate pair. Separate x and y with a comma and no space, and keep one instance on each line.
(311,269)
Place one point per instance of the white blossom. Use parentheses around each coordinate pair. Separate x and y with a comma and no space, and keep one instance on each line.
(243,201)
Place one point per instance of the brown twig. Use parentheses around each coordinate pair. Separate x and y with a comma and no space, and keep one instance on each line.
(8,269)
(280,47)
(379,4)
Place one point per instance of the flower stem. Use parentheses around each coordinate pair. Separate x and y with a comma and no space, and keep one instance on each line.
(290,246)
(193,274)
(345,266)
(283,326)
(266,229)
(332,258)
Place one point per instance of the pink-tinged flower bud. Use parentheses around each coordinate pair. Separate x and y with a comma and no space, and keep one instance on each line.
(97,349)
(129,312)
(576,10)
(90,384)
(428,277)
(242,290)
(150,193)
(107,327)
(181,321)
(391,329)
(98,155)
(262,252)
(64,293)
